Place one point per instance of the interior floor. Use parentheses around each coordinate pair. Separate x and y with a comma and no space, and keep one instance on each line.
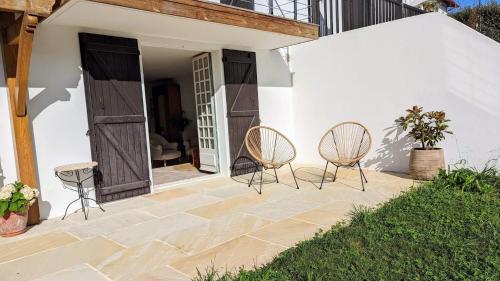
(175,173)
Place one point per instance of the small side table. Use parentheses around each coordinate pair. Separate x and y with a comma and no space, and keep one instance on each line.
(77,174)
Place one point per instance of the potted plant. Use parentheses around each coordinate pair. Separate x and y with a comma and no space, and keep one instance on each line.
(15,200)
(426,128)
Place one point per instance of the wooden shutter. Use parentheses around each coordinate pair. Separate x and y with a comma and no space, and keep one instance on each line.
(115,111)
(242,99)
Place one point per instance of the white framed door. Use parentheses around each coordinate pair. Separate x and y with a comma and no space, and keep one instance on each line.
(205,112)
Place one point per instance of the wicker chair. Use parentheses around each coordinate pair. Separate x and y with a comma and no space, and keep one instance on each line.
(344,146)
(271,150)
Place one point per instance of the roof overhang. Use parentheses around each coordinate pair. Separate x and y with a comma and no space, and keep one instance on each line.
(185,20)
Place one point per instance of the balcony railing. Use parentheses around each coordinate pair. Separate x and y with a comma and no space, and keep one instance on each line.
(332,16)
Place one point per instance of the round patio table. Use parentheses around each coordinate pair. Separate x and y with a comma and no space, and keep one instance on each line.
(77,174)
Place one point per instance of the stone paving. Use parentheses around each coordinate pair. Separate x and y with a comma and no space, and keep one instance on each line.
(170,234)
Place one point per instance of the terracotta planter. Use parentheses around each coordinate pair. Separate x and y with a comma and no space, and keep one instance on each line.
(13,224)
(425,164)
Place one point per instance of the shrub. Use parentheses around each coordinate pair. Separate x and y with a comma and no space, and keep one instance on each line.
(485,19)
(486,181)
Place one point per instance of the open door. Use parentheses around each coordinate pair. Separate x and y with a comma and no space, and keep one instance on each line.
(205,112)
(242,99)
(113,92)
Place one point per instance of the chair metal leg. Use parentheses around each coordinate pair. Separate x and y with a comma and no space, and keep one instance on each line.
(361,175)
(293,174)
(254,172)
(261,180)
(276,175)
(323,178)
(336,170)
(364,176)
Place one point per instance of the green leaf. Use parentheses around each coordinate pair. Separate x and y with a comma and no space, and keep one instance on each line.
(13,207)
(21,208)
(16,196)
(3,207)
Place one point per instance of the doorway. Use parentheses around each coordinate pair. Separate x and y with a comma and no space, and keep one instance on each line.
(180,109)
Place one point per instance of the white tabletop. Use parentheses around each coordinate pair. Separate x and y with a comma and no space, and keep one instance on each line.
(75,166)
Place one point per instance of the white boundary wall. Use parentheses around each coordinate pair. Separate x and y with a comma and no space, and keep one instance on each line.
(373,74)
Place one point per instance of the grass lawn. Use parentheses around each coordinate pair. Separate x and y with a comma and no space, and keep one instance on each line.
(445,230)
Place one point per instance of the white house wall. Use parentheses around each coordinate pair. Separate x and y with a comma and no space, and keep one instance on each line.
(8,171)
(221,112)
(373,74)
(57,111)
(275,91)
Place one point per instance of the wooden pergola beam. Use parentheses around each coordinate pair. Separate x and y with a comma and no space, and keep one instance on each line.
(25,44)
(16,58)
(218,13)
(35,7)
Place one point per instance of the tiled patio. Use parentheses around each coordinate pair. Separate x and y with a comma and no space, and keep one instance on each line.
(168,235)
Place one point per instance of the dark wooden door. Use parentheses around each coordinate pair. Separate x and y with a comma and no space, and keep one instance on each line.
(168,110)
(242,99)
(247,4)
(115,111)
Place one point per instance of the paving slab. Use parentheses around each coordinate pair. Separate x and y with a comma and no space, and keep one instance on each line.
(81,272)
(137,261)
(157,229)
(244,251)
(201,237)
(31,245)
(287,232)
(92,251)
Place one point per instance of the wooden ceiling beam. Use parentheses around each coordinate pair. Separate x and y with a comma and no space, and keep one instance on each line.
(35,7)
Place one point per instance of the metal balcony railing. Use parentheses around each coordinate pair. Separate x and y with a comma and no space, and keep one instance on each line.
(332,16)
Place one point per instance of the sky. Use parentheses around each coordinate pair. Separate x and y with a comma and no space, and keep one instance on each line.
(467,3)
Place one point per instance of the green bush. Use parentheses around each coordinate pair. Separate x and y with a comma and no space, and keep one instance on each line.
(486,181)
(485,19)
(447,229)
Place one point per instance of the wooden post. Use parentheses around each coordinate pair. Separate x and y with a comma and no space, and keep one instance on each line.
(25,43)
(16,57)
